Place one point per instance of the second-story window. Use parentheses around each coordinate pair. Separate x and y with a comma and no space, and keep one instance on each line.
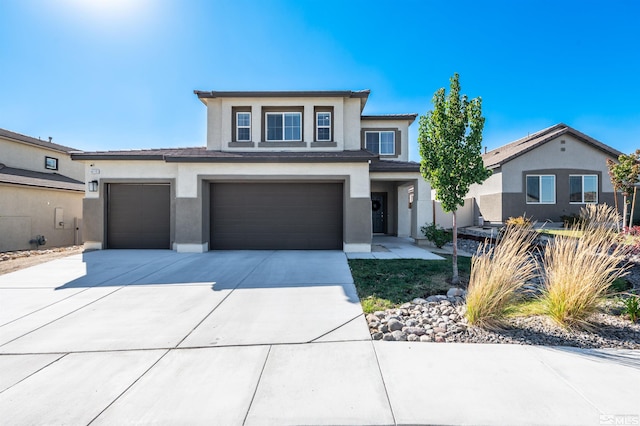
(323,126)
(382,143)
(243,126)
(284,126)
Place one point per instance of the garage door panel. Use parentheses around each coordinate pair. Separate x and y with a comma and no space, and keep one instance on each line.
(276,215)
(138,216)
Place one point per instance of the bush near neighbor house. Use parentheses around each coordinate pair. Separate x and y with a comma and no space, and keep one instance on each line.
(497,276)
(437,235)
(578,272)
(518,221)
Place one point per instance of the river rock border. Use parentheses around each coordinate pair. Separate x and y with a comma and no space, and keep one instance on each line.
(441,319)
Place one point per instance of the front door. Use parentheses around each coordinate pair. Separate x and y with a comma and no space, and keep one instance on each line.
(379,212)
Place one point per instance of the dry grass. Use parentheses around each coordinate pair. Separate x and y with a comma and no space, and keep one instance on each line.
(497,275)
(579,271)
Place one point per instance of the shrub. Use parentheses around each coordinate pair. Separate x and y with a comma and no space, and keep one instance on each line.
(436,234)
(571,220)
(518,221)
(578,272)
(632,308)
(497,275)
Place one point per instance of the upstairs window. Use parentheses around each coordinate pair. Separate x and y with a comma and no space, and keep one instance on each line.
(383,143)
(50,163)
(243,126)
(323,126)
(541,189)
(284,126)
(583,189)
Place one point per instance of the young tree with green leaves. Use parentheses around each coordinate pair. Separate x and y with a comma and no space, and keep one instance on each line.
(624,176)
(450,142)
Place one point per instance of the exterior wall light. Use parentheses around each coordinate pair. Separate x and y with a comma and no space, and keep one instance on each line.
(93,186)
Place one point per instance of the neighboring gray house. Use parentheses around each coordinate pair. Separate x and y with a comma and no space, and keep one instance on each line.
(41,193)
(546,175)
(280,170)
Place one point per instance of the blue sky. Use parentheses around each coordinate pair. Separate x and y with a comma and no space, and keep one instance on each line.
(119,74)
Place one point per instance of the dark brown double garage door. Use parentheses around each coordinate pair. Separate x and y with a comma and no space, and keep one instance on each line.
(277,216)
(243,216)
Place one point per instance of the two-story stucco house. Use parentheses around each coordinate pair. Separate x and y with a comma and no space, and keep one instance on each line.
(546,175)
(280,170)
(41,193)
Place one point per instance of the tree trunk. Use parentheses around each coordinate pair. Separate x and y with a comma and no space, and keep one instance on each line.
(456,279)
(624,212)
(633,206)
(615,201)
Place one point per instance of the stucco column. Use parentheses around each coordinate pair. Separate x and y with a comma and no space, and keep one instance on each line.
(422,211)
(404,214)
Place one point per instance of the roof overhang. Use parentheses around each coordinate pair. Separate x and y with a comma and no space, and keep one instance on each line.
(363,95)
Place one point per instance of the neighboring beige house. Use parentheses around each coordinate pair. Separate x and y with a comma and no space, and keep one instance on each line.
(41,193)
(280,170)
(546,175)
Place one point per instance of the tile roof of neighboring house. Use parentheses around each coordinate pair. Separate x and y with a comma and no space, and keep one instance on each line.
(496,157)
(202,155)
(39,179)
(393,166)
(33,141)
(411,117)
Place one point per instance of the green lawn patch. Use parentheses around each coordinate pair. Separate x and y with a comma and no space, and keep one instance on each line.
(384,284)
(564,232)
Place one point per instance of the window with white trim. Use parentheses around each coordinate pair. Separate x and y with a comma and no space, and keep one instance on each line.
(243,126)
(323,126)
(583,189)
(383,142)
(541,189)
(284,126)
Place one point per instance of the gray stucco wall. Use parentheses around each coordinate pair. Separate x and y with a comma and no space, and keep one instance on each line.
(514,204)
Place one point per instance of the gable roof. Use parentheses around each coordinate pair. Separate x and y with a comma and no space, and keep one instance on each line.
(497,157)
(17,137)
(39,179)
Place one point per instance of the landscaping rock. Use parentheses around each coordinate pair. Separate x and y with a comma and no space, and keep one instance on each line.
(394,325)
(455,292)
(399,336)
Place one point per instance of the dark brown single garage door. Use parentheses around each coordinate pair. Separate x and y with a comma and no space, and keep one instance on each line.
(138,216)
(276,216)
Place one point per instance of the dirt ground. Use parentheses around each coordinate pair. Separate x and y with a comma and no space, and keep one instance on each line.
(16,260)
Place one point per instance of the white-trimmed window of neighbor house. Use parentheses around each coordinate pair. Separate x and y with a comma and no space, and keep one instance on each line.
(323,126)
(383,142)
(583,189)
(284,126)
(243,126)
(541,189)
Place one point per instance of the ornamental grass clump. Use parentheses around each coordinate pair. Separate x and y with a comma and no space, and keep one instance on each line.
(579,271)
(497,276)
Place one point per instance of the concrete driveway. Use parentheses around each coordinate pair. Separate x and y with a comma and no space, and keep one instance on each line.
(264,337)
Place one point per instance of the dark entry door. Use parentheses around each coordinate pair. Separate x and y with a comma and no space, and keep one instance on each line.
(379,212)
(138,216)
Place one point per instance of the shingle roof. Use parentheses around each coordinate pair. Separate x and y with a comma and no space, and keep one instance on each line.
(39,179)
(33,141)
(496,157)
(201,154)
(393,166)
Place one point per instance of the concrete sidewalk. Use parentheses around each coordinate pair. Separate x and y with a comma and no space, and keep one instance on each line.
(121,337)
